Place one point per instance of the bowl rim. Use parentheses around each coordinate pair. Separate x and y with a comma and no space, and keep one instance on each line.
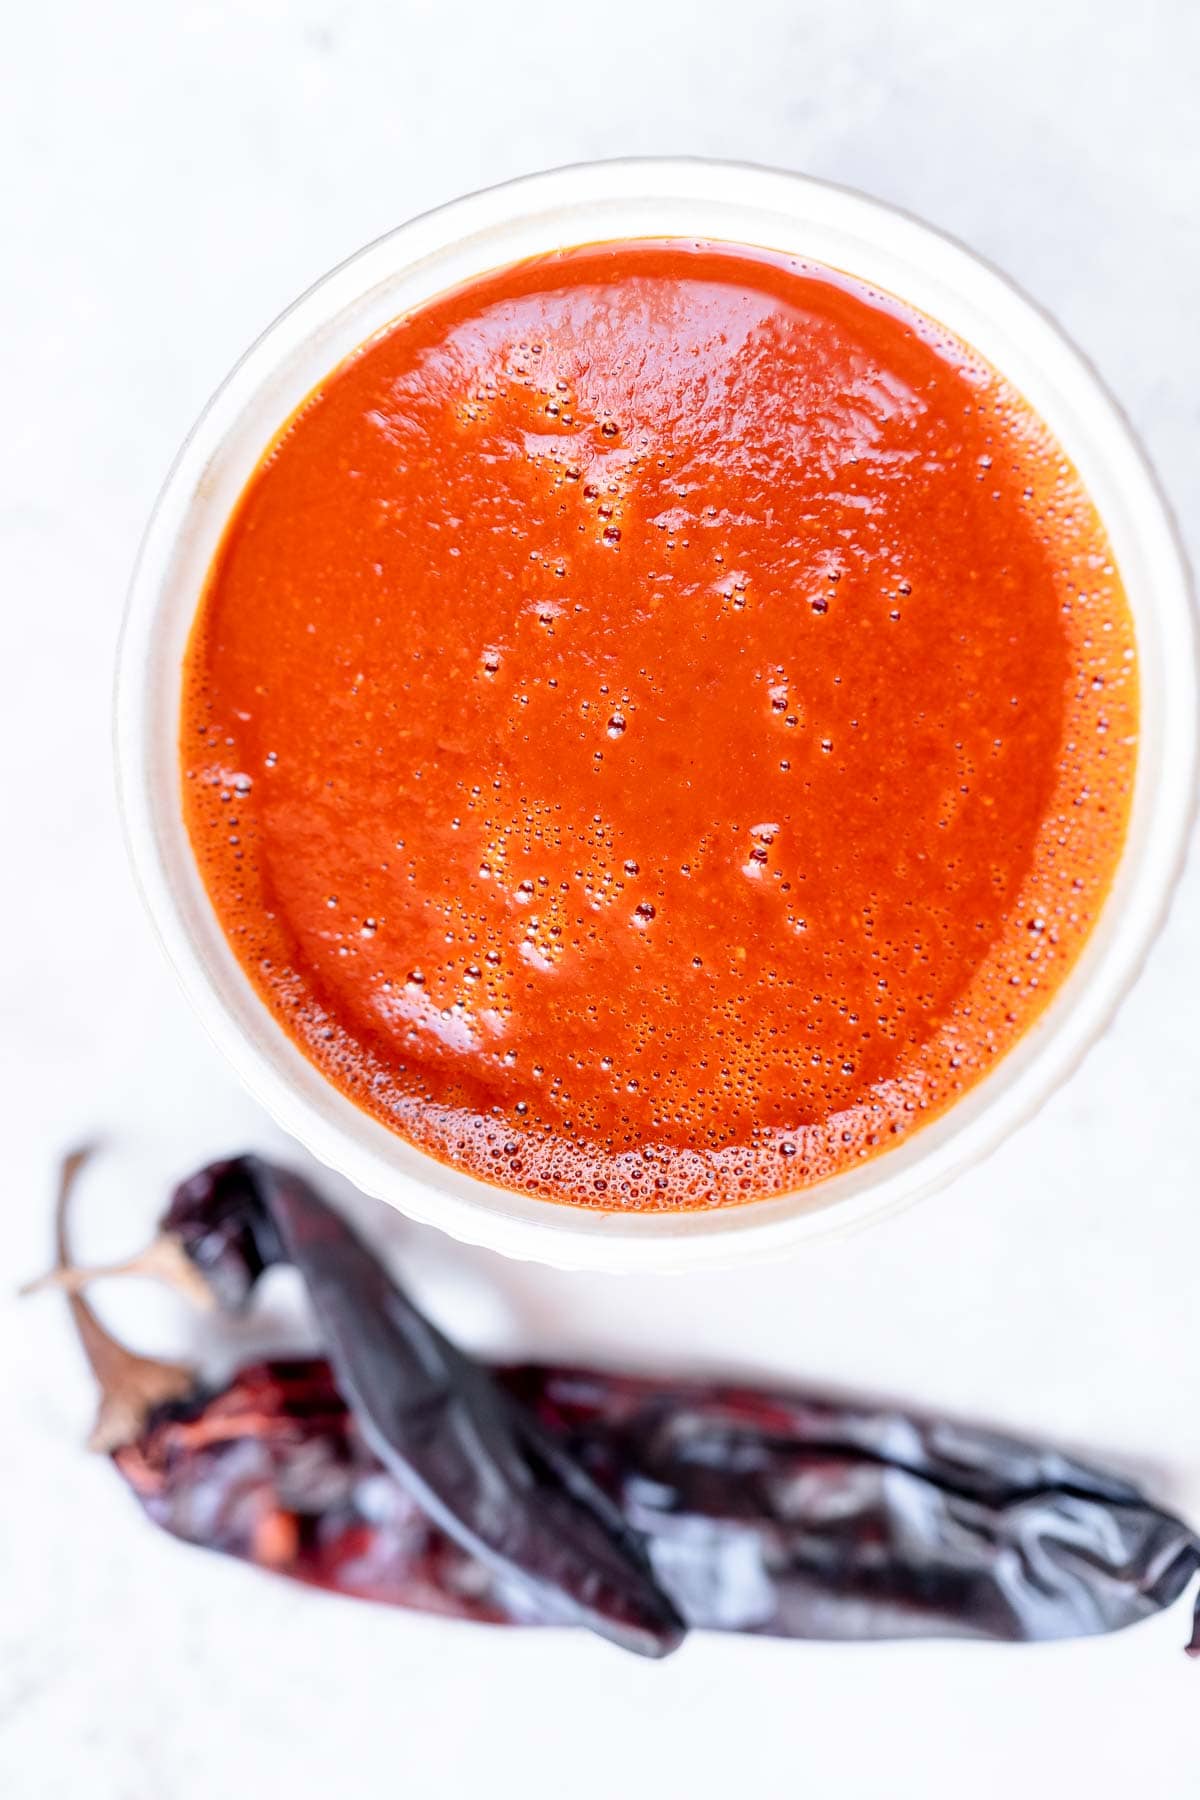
(560,1234)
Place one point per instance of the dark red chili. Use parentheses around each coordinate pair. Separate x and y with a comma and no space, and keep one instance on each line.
(479,1466)
(756,1521)
(778,1513)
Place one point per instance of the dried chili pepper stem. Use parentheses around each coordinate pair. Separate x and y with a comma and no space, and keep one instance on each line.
(131,1386)
(163,1259)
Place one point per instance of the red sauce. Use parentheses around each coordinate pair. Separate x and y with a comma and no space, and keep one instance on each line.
(660,724)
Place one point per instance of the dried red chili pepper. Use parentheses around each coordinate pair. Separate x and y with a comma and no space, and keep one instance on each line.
(272,1469)
(478,1465)
(798,1516)
(772,1513)
(753,1527)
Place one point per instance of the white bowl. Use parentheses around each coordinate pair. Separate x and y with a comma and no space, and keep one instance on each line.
(484,231)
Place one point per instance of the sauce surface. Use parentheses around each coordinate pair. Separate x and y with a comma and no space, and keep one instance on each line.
(661,722)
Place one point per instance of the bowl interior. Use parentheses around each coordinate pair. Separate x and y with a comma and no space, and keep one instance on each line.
(525,218)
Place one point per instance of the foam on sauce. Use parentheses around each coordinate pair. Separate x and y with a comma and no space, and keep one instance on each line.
(660,724)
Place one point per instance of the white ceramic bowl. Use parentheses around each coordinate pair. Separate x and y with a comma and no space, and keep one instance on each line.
(484,231)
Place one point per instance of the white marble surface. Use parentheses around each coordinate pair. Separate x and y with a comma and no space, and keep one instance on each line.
(173,174)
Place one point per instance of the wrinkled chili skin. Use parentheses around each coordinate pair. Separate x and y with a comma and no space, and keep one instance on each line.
(477,1464)
(841,1519)
(784,1514)
(272,1470)
(769,1513)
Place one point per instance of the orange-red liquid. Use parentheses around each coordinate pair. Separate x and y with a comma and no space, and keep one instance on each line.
(660,724)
